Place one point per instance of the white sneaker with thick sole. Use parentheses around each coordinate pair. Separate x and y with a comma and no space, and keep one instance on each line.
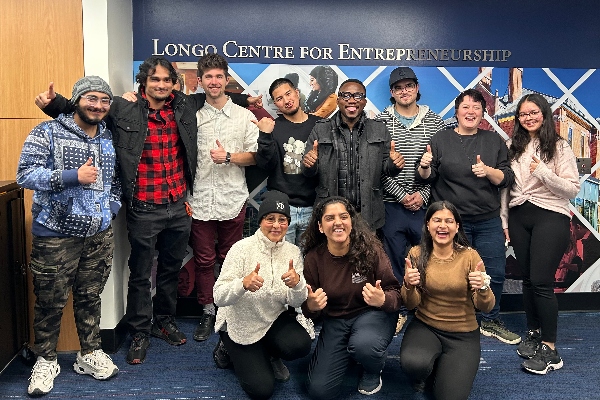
(97,364)
(42,376)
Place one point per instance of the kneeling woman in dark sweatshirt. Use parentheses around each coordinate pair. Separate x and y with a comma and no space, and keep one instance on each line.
(352,287)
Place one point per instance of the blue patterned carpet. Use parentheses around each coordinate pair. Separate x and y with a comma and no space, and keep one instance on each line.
(188,372)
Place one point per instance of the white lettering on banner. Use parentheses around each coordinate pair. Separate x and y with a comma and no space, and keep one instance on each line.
(182,49)
(233,49)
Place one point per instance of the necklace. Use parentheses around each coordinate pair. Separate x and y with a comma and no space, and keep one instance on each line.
(469,145)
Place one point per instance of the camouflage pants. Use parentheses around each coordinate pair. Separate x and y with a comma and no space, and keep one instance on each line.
(59,264)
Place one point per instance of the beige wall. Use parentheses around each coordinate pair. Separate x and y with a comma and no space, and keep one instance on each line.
(39,40)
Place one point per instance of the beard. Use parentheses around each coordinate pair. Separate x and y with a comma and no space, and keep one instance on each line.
(86,118)
(291,112)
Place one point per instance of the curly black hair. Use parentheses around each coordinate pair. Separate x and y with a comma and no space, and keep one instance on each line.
(148,67)
(364,244)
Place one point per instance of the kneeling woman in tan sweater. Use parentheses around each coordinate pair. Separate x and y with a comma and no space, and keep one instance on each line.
(445,280)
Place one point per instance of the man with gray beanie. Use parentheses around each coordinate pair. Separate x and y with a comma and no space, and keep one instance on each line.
(411,126)
(70,164)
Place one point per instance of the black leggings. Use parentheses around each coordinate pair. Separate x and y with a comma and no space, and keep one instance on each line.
(539,238)
(455,356)
(286,339)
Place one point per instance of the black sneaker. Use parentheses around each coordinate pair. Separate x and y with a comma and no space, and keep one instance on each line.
(137,350)
(495,328)
(205,328)
(544,360)
(369,384)
(221,356)
(280,371)
(530,345)
(168,331)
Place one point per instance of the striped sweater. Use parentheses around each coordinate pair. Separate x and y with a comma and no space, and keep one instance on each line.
(411,142)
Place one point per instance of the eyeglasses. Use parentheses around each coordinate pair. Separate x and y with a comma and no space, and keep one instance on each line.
(529,114)
(409,87)
(271,219)
(448,221)
(358,96)
(93,100)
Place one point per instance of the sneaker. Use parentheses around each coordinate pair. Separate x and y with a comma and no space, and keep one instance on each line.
(168,331)
(495,328)
(400,324)
(97,364)
(221,356)
(205,328)
(137,350)
(42,376)
(281,372)
(544,360)
(307,324)
(369,384)
(530,345)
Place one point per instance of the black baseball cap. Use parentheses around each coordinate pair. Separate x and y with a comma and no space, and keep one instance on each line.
(402,73)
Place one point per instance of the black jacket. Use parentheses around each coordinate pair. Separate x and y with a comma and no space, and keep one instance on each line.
(129,123)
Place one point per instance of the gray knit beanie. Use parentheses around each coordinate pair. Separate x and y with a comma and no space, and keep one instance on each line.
(90,84)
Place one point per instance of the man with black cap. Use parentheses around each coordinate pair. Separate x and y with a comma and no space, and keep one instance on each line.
(70,164)
(411,126)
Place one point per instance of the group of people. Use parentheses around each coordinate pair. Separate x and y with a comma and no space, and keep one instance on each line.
(346,238)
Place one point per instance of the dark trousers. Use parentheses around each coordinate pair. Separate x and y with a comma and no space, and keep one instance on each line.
(453,355)
(286,339)
(401,231)
(487,237)
(539,238)
(205,254)
(162,227)
(59,264)
(364,338)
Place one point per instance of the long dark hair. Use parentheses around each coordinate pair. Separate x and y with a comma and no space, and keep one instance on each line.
(148,67)
(547,133)
(327,79)
(460,242)
(364,245)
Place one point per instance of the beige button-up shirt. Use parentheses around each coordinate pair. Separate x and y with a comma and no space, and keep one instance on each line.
(220,190)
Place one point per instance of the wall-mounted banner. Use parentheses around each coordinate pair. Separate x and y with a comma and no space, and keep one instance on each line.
(555,33)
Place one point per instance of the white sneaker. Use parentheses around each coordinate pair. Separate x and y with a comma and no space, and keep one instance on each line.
(42,376)
(97,364)
(307,324)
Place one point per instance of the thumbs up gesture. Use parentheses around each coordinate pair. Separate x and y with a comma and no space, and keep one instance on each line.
(535,161)
(312,156)
(316,300)
(412,276)
(373,295)
(291,277)
(426,158)
(219,154)
(87,173)
(395,156)
(479,168)
(253,281)
(477,277)
(44,98)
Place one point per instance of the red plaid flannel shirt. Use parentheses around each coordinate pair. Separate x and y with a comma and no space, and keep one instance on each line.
(161,173)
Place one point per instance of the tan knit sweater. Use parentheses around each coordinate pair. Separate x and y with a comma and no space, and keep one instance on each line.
(449,303)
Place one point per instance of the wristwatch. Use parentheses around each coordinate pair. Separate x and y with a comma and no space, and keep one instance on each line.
(227,158)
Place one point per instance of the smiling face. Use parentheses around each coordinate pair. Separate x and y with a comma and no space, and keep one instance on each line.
(469,114)
(274,226)
(351,109)
(159,84)
(286,99)
(90,110)
(336,224)
(213,82)
(314,85)
(531,117)
(442,227)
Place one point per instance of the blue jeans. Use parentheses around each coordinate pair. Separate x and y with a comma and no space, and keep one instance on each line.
(300,218)
(364,338)
(487,237)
